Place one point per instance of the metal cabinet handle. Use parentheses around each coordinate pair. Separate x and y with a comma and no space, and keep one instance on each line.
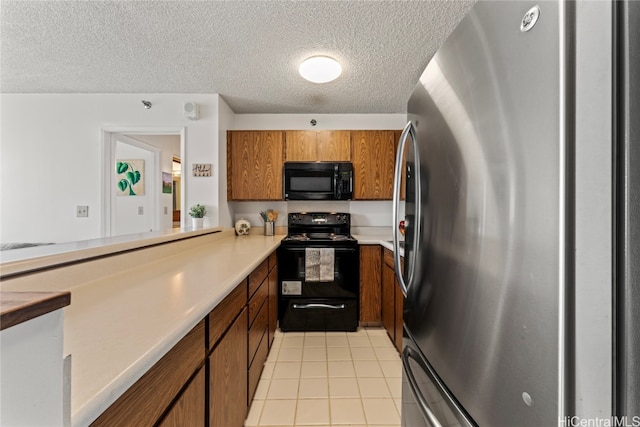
(315,305)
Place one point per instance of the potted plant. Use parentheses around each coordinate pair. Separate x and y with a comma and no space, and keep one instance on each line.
(197,213)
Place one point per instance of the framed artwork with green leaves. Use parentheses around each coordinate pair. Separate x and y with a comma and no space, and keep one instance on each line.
(130,177)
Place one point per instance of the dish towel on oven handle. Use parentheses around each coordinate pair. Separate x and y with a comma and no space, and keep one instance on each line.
(319,264)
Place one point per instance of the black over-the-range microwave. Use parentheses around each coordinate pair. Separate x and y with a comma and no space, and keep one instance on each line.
(318,180)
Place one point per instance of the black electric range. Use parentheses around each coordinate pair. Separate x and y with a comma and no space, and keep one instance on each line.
(318,273)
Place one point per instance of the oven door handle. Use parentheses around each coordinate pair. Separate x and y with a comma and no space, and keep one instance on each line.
(316,305)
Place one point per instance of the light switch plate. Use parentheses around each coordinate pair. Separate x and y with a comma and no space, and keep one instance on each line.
(82,211)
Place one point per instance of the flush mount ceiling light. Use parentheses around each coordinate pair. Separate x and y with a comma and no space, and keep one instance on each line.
(320,69)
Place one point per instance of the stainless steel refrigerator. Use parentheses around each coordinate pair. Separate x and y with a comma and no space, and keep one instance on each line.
(522,253)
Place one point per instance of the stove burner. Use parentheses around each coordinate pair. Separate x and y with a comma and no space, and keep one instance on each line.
(298,237)
(339,237)
(316,227)
(318,236)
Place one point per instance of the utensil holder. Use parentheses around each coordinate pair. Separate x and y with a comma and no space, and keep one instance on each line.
(268,228)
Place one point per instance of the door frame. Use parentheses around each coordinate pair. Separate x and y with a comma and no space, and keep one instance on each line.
(107,169)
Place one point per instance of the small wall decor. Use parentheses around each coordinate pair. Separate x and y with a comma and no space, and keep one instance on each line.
(201,169)
(130,177)
(167,182)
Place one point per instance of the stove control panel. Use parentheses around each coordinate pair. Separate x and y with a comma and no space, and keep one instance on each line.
(319,218)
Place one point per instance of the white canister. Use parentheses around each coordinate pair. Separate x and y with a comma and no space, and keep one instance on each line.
(242,227)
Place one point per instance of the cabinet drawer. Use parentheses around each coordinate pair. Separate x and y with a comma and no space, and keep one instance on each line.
(257,276)
(256,367)
(257,300)
(273,260)
(222,316)
(257,330)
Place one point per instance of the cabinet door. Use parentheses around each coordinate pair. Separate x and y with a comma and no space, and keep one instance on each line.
(228,376)
(403,176)
(399,303)
(373,163)
(301,146)
(145,401)
(334,145)
(254,165)
(388,300)
(273,303)
(399,320)
(188,410)
(370,285)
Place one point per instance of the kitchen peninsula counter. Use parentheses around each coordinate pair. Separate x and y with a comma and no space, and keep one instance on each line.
(123,320)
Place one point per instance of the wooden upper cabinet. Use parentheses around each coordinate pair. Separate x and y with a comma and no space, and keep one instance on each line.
(312,146)
(300,146)
(373,163)
(403,175)
(334,145)
(254,165)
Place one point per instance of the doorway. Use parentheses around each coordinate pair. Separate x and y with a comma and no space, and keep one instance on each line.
(176,176)
(156,206)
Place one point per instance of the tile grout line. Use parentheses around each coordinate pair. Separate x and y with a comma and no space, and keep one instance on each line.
(372,345)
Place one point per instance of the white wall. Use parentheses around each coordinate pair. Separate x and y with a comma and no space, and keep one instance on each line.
(323,121)
(50,147)
(225,122)
(363,213)
(51,156)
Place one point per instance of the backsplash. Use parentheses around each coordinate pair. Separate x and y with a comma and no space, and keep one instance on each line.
(363,213)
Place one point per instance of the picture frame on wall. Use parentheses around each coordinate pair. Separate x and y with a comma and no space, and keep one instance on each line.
(167,183)
(130,177)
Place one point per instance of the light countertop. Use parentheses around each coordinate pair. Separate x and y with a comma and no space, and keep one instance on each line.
(121,323)
(119,326)
(20,261)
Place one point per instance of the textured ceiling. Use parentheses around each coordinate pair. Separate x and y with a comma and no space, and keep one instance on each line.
(247,51)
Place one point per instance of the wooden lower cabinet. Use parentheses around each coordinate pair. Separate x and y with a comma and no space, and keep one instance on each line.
(370,285)
(227,376)
(146,401)
(392,300)
(273,303)
(189,409)
(397,339)
(389,300)
(258,332)
(222,357)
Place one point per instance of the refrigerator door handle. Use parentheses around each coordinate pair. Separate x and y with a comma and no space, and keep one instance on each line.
(408,131)
(427,413)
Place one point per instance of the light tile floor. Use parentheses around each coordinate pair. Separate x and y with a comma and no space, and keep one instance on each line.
(329,379)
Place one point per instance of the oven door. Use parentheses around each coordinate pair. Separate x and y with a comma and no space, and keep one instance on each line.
(293,271)
(313,305)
